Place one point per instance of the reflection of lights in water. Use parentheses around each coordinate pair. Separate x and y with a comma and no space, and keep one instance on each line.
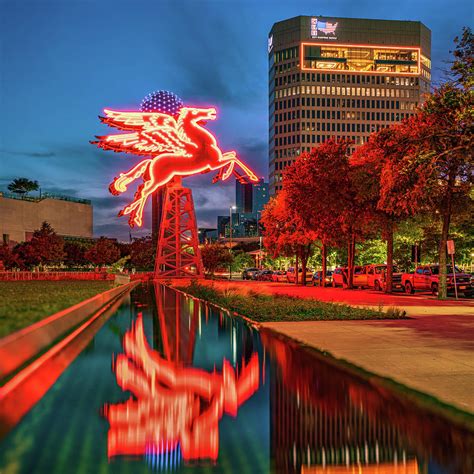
(234,344)
(173,408)
(163,459)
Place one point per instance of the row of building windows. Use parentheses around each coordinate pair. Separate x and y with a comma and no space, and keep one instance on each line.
(346,91)
(341,127)
(338,104)
(293,153)
(285,54)
(297,139)
(282,68)
(346,79)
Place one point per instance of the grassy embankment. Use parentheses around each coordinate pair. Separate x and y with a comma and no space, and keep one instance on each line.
(266,308)
(25,302)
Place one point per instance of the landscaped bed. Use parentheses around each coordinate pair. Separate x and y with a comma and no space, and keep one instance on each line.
(265,308)
(25,302)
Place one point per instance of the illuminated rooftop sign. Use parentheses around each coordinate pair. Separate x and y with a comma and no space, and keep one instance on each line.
(370,59)
(322,29)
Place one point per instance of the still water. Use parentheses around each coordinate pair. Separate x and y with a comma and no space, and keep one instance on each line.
(169,384)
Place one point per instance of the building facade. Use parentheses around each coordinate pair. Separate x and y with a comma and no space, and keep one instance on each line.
(340,78)
(19,218)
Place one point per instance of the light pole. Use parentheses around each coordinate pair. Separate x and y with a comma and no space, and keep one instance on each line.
(231,208)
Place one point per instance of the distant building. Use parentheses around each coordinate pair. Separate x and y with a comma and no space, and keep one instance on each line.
(260,196)
(19,218)
(243,197)
(207,235)
(340,78)
(250,199)
(223,226)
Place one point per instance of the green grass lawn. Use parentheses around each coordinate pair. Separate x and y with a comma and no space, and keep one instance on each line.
(266,308)
(24,302)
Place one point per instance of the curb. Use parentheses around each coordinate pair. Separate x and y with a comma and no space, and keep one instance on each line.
(23,345)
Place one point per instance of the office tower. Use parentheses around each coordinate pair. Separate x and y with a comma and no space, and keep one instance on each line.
(342,78)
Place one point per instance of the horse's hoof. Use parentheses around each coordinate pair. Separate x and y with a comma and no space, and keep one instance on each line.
(120,214)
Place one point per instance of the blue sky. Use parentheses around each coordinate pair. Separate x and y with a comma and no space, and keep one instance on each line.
(63,61)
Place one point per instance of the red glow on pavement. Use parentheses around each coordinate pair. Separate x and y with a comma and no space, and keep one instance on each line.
(172,404)
(175,146)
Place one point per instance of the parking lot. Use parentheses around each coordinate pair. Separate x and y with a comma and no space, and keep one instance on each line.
(423,282)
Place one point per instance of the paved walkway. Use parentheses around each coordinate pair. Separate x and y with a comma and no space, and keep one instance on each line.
(432,352)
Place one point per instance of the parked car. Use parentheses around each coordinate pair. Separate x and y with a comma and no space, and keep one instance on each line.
(318,277)
(426,277)
(279,276)
(264,275)
(359,276)
(290,275)
(249,273)
(376,277)
(337,279)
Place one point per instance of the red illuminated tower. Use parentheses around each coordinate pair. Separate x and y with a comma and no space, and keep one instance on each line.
(177,253)
(173,142)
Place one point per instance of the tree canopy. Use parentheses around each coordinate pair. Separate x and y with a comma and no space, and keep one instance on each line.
(23,186)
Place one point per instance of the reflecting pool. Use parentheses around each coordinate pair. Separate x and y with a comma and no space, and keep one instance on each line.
(170,384)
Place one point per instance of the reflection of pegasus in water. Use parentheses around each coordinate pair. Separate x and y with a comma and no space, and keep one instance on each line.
(173,405)
(175,147)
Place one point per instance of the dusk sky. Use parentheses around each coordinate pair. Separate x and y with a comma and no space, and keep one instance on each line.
(62,62)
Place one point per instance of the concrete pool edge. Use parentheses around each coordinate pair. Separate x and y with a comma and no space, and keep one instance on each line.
(29,385)
(23,345)
(423,400)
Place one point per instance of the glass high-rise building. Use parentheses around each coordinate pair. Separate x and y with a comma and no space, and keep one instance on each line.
(343,78)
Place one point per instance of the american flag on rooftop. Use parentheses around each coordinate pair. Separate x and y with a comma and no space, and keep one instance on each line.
(326,27)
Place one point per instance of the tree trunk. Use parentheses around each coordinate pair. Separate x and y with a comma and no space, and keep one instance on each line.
(389,273)
(305,252)
(324,257)
(303,266)
(446,213)
(350,260)
(296,268)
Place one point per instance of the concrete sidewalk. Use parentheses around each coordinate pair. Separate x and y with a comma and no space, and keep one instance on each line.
(432,354)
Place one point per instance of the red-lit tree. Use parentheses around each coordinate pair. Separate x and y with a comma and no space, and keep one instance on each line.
(368,162)
(322,195)
(75,253)
(48,246)
(142,253)
(285,233)
(7,257)
(215,256)
(103,252)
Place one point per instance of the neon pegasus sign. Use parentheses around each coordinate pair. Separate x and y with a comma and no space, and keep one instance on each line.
(175,145)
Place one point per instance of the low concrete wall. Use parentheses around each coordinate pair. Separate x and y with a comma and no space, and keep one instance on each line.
(19,347)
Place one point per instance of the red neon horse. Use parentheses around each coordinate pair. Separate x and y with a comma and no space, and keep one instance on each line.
(172,404)
(176,147)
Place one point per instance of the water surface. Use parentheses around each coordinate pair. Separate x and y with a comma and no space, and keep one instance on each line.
(170,384)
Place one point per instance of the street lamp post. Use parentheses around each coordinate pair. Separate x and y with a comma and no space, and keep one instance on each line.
(231,208)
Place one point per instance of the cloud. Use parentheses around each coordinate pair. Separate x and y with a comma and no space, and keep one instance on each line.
(34,154)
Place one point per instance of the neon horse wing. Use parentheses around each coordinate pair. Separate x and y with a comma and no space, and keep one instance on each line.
(151,134)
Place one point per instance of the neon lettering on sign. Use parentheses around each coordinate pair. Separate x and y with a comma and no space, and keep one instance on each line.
(173,407)
(175,145)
